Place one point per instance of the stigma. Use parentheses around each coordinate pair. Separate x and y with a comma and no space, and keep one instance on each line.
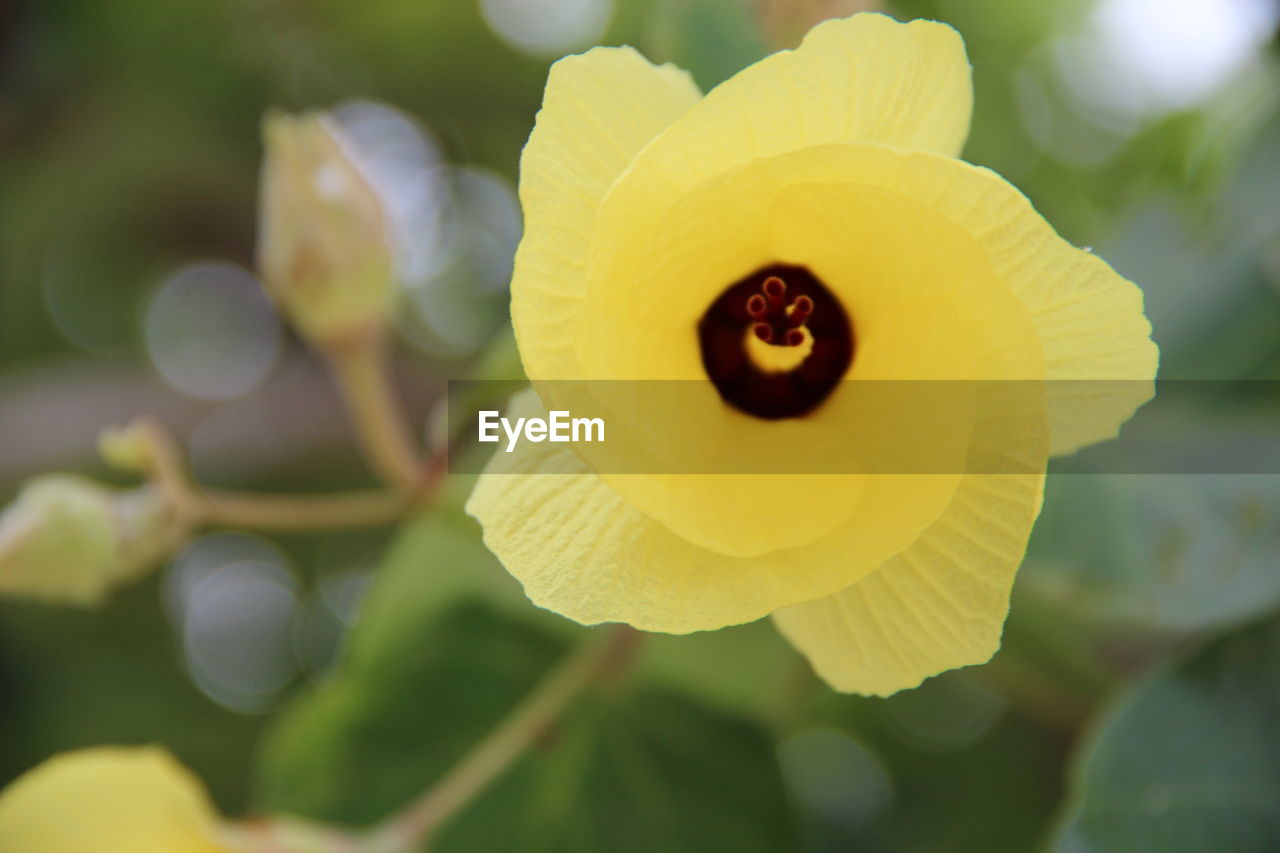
(776,343)
(777,321)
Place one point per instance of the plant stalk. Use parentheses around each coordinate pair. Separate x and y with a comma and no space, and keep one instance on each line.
(363,374)
(491,757)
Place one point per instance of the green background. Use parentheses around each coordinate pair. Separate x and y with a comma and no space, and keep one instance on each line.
(1135,705)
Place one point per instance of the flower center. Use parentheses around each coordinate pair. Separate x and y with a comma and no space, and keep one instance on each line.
(776,342)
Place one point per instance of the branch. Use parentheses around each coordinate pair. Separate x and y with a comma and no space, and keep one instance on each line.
(289,513)
(163,463)
(415,824)
(363,375)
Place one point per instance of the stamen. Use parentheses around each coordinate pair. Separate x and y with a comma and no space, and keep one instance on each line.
(801,308)
(774,288)
(773,318)
(811,332)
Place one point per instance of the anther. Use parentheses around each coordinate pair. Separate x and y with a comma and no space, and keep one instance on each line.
(774,321)
(779,306)
(801,308)
(774,288)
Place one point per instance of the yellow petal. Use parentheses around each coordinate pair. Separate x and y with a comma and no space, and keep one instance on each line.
(598,111)
(1094,338)
(942,602)
(1099,358)
(108,800)
(582,550)
(922,296)
(862,79)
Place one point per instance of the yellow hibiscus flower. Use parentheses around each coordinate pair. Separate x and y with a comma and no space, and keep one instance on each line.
(802,229)
(108,800)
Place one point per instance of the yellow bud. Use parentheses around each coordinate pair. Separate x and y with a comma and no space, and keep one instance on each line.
(68,539)
(324,246)
(108,800)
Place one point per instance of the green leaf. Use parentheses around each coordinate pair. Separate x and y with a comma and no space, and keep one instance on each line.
(370,742)
(435,563)
(1190,761)
(639,771)
(711,39)
(445,648)
(745,669)
(960,768)
(1178,554)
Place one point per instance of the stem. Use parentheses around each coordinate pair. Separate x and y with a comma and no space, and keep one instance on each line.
(302,512)
(166,468)
(287,835)
(363,375)
(195,506)
(410,828)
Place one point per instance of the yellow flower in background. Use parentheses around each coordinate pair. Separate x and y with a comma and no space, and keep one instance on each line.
(108,800)
(805,224)
(324,245)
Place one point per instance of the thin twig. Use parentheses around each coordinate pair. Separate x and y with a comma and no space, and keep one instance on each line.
(413,826)
(195,506)
(287,513)
(166,467)
(361,370)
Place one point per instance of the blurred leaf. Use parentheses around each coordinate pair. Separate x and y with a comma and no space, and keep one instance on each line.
(500,359)
(71,679)
(1190,761)
(967,770)
(435,563)
(1163,553)
(368,743)
(1175,266)
(430,671)
(641,771)
(711,39)
(747,669)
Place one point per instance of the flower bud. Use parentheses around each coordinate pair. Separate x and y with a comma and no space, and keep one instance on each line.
(106,800)
(324,245)
(68,539)
(127,449)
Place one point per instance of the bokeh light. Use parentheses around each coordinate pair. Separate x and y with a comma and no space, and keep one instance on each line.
(950,712)
(211,331)
(403,161)
(233,601)
(458,306)
(833,776)
(330,615)
(547,27)
(1140,58)
(455,229)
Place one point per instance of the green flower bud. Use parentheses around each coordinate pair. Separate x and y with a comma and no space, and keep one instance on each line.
(126,449)
(68,539)
(324,246)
